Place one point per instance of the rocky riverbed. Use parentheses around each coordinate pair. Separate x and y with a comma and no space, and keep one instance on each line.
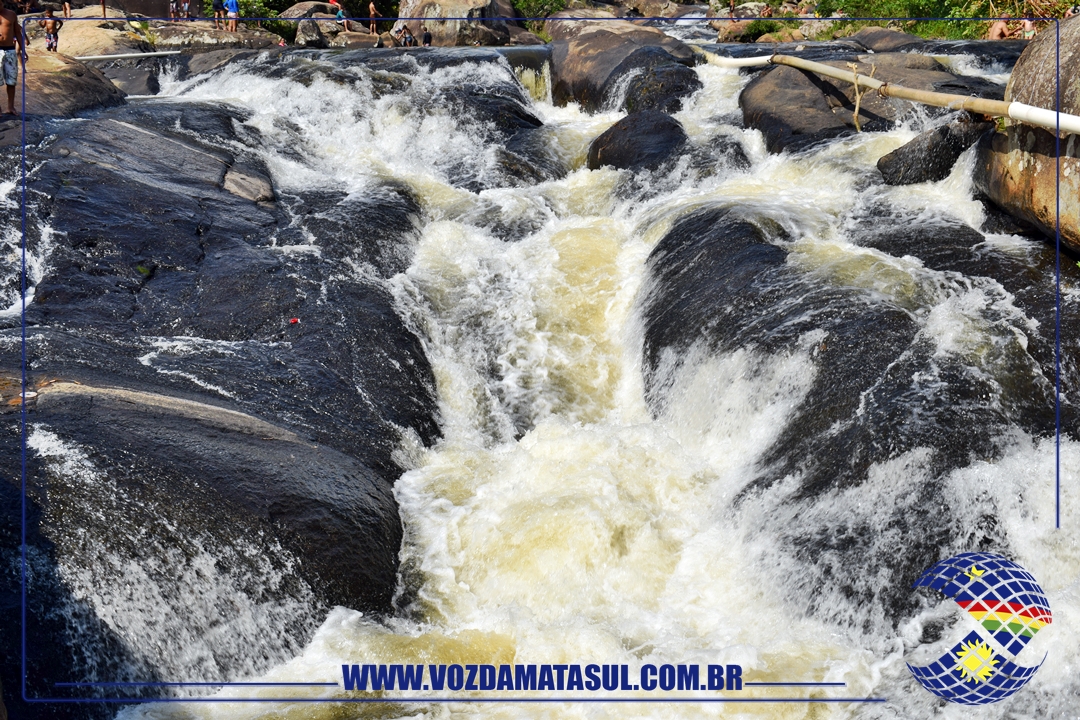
(235,357)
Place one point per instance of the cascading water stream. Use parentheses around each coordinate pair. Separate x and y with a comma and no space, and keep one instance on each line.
(561,518)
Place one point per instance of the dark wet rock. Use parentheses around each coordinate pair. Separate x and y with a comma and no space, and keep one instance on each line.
(841,50)
(997,221)
(503,108)
(171,282)
(1018,169)
(622,65)
(640,141)
(533,58)
(521,36)
(720,283)
(929,157)
(882,40)
(790,110)
(342,222)
(1002,52)
(58,85)
(204,468)
(795,109)
(134,81)
(58,622)
(721,152)
(1024,368)
(310,34)
(655,82)
(205,62)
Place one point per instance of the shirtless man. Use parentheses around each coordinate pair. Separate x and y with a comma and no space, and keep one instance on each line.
(11,36)
(999,30)
(373,12)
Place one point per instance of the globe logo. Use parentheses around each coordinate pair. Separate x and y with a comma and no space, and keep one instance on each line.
(1008,603)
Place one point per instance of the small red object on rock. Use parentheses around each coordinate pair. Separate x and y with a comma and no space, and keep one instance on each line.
(293,321)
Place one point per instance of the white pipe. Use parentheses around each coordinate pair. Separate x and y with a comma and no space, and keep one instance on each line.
(722,61)
(128,55)
(1044,118)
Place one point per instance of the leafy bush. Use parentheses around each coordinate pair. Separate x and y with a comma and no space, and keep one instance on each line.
(537,9)
(757,28)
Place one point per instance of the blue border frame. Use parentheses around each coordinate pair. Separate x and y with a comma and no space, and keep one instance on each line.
(676,21)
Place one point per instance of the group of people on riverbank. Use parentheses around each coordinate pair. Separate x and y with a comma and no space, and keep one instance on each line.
(1026,30)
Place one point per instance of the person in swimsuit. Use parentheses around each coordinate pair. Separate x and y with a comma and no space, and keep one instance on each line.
(52,30)
(1028,29)
(233,9)
(372,12)
(11,37)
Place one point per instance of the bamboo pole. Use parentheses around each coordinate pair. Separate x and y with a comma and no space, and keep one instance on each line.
(1029,114)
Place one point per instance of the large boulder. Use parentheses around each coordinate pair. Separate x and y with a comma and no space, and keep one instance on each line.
(218,423)
(354,39)
(456,22)
(796,108)
(202,34)
(1017,169)
(591,64)
(640,141)
(307,9)
(723,292)
(81,37)
(567,24)
(883,40)
(58,85)
(929,157)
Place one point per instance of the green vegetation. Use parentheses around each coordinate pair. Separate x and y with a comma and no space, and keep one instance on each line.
(757,28)
(954,28)
(537,9)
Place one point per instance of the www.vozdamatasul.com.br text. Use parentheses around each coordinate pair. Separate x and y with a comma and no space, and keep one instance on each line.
(589,678)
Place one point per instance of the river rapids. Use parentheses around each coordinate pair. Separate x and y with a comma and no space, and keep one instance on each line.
(599,495)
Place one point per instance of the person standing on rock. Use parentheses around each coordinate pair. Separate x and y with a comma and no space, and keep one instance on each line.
(11,36)
(372,13)
(52,30)
(426,36)
(232,7)
(219,14)
(67,9)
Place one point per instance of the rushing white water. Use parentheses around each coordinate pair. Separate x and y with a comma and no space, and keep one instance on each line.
(559,521)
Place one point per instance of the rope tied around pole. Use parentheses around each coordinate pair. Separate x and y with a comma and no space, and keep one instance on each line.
(859,93)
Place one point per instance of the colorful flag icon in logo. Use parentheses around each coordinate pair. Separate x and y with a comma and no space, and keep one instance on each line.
(1003,598)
